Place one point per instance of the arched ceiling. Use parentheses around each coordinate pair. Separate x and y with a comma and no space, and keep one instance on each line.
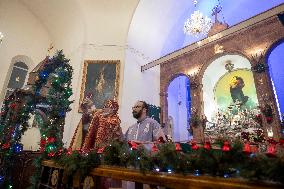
(157,26)
(153,27)
(72,23)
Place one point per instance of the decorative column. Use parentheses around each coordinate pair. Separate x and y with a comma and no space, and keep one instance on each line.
(164,107)
(266,98)
(196,117)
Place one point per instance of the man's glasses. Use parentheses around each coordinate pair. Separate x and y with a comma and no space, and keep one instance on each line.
(135,107)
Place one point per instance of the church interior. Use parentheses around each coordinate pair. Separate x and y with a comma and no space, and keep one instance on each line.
(140,94)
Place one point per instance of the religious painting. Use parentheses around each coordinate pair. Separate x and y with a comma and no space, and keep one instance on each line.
(236,87)
(237,107)
(100,81)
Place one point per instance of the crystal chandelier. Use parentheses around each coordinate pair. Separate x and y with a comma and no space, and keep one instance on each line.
(1,37)
(197,24)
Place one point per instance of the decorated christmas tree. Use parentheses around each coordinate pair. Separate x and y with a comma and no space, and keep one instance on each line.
(47,98)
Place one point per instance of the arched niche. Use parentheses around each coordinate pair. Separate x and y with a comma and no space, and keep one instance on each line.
(32,136)
(179,106)
(225,67)
(274,59)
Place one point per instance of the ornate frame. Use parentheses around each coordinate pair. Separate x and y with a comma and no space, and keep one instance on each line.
(84,77)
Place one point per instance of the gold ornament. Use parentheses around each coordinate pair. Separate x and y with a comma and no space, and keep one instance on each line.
(88,183)
(54,177)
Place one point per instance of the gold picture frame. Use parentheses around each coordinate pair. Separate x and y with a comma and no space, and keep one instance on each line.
(101,79)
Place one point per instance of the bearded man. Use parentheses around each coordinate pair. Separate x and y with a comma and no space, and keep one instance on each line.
(146,129)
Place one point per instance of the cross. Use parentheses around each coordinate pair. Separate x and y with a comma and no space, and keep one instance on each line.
(217,9)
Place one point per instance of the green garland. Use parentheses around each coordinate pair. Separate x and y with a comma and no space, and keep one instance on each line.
(233,163)
(59,73)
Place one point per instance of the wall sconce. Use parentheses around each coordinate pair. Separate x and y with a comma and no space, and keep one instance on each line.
(1,37)
(218,49)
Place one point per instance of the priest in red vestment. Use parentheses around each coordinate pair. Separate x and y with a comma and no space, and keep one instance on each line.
(104,127)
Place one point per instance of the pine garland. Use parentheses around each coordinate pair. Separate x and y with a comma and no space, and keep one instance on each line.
(215,162)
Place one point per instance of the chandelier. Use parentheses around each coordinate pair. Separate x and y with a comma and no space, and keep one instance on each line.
(1,37)
(197,24)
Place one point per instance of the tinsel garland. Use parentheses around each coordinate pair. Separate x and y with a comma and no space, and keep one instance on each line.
(226,162)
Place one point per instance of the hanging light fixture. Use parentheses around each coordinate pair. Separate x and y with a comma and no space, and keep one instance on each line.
(197,23)
(1,37)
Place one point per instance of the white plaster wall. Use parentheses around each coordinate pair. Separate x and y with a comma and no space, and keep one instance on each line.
(24,36)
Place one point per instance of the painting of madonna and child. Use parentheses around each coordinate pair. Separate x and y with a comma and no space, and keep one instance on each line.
(236,107)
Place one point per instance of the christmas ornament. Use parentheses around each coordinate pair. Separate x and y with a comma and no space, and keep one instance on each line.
(207,145)
(43,74)
(100,150)
(17,148)
(154,148)
(178,147)
(271,148)
(133,145)
(247,149)
(194,146)
(226,147)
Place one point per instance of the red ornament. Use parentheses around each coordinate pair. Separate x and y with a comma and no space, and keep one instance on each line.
(154,148)
(41,149)
(59,152)
(207,145)
(50,139)
(51,154)
(226,147)
(133,145)
(194,146)
(100,150)
(69,151)
(178,147)
(6,145)
(247,148)
(13,105)
(42,142)
(271,150)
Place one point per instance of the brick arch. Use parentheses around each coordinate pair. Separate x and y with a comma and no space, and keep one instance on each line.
(272,47)
(173,77)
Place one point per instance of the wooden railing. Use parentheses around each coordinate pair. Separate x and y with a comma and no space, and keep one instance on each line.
(169,181)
